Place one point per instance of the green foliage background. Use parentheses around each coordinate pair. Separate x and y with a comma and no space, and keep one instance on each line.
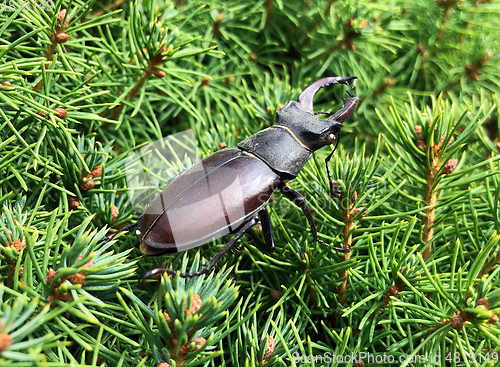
(417,173)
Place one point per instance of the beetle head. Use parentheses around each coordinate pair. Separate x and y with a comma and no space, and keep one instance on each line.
(298,116)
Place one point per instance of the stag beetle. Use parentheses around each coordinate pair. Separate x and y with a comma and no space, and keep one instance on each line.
(227,192)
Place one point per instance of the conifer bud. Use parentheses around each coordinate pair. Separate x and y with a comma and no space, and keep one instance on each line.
(205,80)
(5,342)
(450,166)
(194,345)
(270,346)
(159,73)
(418,131)
(114,212)
(88,185)
(5,83)
(62,38)
(275,295)
(61,112)
(421,145)
(164,364)
(73,203)
(393,290)
(61,16)
(195,304)
(96,172)
(457,322)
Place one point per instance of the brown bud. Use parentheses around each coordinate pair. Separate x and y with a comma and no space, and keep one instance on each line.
(221,145)
(275,295)
(230,79)
(205,80)
(493,318)
(159,73)
(418,131)
(355,212)
(421,145)
(73,202)
(440,142)
(483,302)
(449,167)
(252,57)
(61,16)
(268,111)
(96,172)
(195,304)
(61,38)
(164,364)
(42,114)
(18,244)
(393,290)
(359,363)
(78,278)
(61,112)
(90,263)
(270,346)
(457,322)
(5,342)
(114,212)
(219,16)
(51,275)
(194,345)
(303,256)
(471,71)
(5,84)
(169,321)
(86,186)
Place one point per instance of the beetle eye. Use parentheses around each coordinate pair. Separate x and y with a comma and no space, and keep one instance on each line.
(330,139)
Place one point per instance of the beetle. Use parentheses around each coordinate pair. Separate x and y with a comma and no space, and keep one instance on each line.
(227,192)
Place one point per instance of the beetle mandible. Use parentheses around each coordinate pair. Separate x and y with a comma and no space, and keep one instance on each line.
(227,192)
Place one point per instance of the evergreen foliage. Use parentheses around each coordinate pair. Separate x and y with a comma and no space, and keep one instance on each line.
(84,83)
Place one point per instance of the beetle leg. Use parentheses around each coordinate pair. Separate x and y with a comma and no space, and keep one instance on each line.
(208,267)
(268,244)
(300,201)
(333,189)
(112,235)
(267,230)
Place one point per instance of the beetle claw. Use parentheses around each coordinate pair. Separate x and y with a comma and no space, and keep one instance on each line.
(305,99)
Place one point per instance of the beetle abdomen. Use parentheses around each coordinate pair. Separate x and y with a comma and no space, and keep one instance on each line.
(209,200)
